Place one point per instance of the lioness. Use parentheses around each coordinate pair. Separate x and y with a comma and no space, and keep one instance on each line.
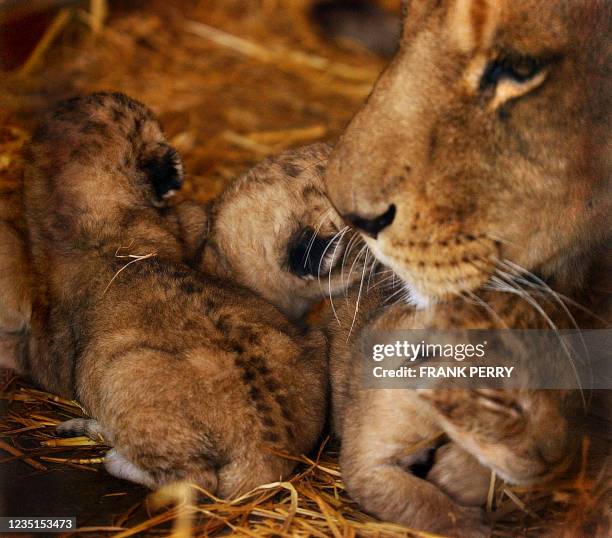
(482,160)
(485,146)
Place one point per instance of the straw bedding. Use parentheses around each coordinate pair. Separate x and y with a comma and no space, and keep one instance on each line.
(232,81)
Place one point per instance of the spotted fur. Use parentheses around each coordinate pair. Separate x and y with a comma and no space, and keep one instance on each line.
(188,375)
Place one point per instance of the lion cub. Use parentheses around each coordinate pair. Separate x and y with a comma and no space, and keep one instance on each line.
(15,285)
(189,375)
(424,458)
(274,231)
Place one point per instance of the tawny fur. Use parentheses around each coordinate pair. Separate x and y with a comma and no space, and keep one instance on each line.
(483,167)
(189,376)
(526,436)
(489,133)
(15,275)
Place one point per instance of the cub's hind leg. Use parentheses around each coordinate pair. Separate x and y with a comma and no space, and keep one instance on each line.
(87,427)
(120,467)
(116,464)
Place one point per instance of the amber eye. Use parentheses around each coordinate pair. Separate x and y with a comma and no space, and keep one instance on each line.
(519,69)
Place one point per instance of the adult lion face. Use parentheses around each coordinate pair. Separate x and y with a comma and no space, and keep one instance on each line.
(485,144)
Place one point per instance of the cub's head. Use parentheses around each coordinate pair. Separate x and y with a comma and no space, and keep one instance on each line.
(275,232)
(485,144)
(526,436)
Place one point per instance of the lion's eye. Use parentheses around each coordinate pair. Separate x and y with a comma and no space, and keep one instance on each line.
(518,69)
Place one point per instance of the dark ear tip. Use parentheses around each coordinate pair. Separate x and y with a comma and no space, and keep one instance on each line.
(306,252)
(163,167)
(296,253)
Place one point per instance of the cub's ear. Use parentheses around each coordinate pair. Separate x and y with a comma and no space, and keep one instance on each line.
(163,168)
(307,253)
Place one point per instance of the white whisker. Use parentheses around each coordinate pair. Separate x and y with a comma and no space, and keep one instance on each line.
(357,259)
(365,264)
(557,297)
(315,233)
(383,282)
(514,288)
(354,240)
(401,289)
(329,274)
(487,307)
(371,272)
(543,286)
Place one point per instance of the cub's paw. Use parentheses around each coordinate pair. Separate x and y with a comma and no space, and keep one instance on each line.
(78,427)
(459,475)
(115,463)
(163,168)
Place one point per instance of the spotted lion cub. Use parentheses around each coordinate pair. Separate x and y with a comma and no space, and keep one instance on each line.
(274,231)
(188,374)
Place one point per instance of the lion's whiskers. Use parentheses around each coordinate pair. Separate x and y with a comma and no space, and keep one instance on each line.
(365,264)
(354,240)
(337,239)
(401,289)
(357,259)
(523,275)
(322,219)
(371,272)
(510,286)
(386,282)
(484,304)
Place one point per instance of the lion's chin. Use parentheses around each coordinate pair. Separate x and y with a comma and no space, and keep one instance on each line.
(417,298)
(423,290)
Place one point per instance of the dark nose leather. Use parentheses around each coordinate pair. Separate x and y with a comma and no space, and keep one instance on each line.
(374,226)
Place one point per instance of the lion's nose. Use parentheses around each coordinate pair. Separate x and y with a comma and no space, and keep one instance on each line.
(371,226)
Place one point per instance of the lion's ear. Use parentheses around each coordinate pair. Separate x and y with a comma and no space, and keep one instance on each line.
(163,168)
(307,253)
